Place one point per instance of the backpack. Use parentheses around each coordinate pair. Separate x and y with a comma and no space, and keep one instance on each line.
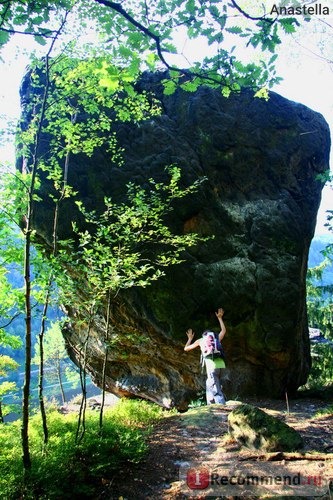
(211,346)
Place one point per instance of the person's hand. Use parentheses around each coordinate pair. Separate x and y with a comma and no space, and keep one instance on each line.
(190,333)
(219,313)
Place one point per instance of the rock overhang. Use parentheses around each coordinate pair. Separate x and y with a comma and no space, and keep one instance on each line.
(261,159)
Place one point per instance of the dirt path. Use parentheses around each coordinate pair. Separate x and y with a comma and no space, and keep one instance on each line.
(186,441)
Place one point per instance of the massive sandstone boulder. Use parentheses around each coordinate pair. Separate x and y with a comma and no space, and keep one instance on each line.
(262,160)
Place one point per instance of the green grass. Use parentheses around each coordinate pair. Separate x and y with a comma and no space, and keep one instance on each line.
(64,469)
(325,411)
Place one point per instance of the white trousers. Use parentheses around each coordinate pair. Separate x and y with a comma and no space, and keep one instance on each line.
(214,392)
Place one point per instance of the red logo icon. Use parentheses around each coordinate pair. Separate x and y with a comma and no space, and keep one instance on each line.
(198,479)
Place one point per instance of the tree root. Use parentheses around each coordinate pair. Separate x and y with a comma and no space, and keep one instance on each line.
(278,456)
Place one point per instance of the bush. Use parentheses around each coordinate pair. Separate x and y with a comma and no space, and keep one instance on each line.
(321,373)
(200,401)
(64,469)
(325,411)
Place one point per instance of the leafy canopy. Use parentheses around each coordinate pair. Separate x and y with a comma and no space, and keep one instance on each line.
(147,34)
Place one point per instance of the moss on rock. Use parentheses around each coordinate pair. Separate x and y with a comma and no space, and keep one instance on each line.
(256,429)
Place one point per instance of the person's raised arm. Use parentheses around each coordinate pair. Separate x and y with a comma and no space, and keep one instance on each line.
(188,345)
(219,314)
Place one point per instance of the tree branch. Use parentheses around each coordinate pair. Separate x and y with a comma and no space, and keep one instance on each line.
(118,8)
(323,58)
(278,456)
(48,34)
(10,321)
(157,39)
(261,18)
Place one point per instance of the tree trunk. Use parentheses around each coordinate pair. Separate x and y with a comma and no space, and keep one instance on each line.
(61,387)
(27,368)
(81,424)
(106,338)
(32,169)
(45,309)
(41,365)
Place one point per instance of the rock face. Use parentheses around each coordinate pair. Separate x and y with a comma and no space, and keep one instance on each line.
(257,430)
(260,202)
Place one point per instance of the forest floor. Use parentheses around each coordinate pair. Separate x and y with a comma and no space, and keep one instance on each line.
(198,440)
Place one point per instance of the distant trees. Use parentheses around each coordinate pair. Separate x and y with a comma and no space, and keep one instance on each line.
(57,365)
(9,300)
(320,284)
(320,303)
(320,315)
(7,364)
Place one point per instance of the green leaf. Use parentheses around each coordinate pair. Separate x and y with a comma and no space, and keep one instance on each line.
(40,39)
(151,59)
(37,20)
(190,6)
(170,48)
(226,91)
(262,93)
(4,37)
(287,24)
(236,30)
(125,51)
(272,59)
(111,84)
(191,86)
(169,87)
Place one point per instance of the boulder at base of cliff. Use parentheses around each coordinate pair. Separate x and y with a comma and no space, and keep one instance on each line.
(257,430)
